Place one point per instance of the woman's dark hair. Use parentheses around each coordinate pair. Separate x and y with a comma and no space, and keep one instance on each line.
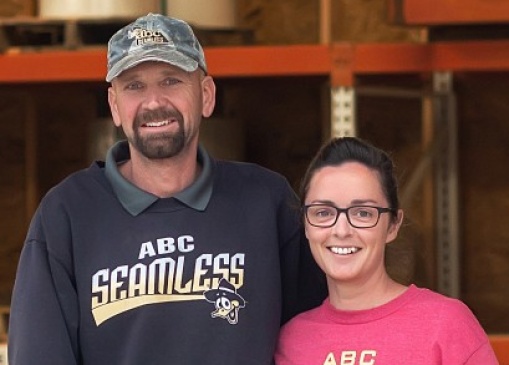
(353,149)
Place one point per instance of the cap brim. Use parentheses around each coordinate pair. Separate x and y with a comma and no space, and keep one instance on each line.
(171,57)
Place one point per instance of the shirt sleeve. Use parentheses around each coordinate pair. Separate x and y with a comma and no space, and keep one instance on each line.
(483,355)
(44,311)
(463,339)
(304,285)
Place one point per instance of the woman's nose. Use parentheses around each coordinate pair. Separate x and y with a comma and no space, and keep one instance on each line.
(342,226)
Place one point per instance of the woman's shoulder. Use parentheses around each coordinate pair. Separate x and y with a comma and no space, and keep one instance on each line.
(444,308)
(455,327)
(430,297)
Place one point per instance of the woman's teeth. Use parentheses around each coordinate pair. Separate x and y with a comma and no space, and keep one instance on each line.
(344,250)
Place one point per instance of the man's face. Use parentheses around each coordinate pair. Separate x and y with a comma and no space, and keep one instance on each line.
(160,107)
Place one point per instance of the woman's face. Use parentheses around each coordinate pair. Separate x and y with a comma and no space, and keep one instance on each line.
(347,254)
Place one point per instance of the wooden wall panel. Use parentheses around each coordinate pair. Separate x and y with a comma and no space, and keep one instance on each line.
(280,22)
(298,21)
(484,195)
(13,219)
(63,113)
(367,21)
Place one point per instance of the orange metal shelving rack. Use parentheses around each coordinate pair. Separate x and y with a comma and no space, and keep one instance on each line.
(435,12)
(341,61)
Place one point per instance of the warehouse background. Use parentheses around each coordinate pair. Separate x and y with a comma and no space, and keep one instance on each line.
(280,122)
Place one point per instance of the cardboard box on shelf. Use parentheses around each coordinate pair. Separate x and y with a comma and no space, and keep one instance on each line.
(95,9)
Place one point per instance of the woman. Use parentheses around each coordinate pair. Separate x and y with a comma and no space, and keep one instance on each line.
(351,212)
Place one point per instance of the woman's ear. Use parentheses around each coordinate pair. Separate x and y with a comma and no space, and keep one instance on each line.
(209,96)
(395,226)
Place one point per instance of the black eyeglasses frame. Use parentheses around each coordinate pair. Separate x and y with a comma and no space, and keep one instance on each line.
(380,210)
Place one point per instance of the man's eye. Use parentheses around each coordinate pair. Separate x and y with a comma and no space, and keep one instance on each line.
(170,81)
(134,86)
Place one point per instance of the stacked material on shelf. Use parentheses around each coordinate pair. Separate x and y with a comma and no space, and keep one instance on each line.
(207,14)
(96,8)
(3,354)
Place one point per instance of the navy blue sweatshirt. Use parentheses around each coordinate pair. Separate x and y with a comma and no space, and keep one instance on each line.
(110,274)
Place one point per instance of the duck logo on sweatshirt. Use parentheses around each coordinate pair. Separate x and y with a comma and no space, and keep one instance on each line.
(226,301)
(169,270)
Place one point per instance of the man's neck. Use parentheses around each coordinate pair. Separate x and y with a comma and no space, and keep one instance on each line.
(163,177)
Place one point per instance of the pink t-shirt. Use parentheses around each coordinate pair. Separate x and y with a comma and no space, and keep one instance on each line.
(420,327)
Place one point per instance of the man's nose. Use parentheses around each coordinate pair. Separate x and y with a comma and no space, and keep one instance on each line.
(153,98)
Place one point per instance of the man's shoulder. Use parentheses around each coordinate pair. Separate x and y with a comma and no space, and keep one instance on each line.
(248,170)
(241,179)
(79,182)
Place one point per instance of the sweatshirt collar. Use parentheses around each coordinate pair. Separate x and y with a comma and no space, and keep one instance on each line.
(136,200)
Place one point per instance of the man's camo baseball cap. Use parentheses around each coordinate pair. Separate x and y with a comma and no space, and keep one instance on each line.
(154,37)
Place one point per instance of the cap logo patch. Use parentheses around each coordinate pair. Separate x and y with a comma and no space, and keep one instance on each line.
(145,36)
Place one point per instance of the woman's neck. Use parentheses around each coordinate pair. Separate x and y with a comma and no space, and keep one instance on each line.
(367,295)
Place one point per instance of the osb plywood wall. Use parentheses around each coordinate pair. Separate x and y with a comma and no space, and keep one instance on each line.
(11,8)
(62,115)
(282,119)
(394,124)
(280,22)
(298,21)
(483,135)
(484,195)
(12,188)
(366,21)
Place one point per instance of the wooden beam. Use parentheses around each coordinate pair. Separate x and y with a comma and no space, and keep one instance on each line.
(428,200)
(4,312)
(325,22)
(31,162)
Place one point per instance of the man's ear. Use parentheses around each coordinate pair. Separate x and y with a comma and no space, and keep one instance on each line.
(209,96)
(112,101)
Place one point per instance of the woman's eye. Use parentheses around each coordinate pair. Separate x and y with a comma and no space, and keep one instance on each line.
(324,213)
(365,213)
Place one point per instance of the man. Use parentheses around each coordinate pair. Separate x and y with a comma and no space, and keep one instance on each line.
(160,254)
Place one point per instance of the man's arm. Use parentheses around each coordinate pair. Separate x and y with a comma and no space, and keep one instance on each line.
(43,320)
